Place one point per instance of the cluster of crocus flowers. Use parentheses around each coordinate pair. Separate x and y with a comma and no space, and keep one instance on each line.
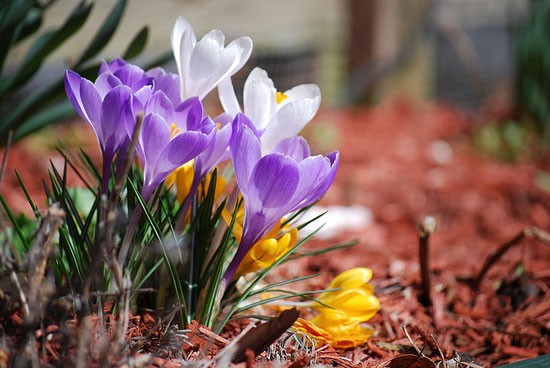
(179,144)
(342,311)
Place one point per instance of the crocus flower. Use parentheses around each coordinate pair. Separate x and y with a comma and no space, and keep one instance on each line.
(354,296)
(119,72)
(274,184)
(164,146)
(342,311)
(107,110)
(203,64)
(268,250)
(188,178)
(276,115)
(345,332)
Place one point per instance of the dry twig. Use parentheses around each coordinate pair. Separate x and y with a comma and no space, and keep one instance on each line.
(527,232)
(424,230)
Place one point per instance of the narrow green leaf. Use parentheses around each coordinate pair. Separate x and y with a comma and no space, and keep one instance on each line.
(43,46)
(60,111)
(105,32)
(287,294)
(261,275)
(27,195)
(30,25)
(13,12)
(270,287)
(14,222)
(148,215)
(137,45)
(332,248)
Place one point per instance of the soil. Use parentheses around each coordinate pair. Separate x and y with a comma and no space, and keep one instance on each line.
(405,162)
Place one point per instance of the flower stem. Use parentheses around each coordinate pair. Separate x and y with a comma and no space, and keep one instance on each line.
(105,175)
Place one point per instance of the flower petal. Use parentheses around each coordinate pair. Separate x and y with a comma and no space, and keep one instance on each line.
(228,99)
(161,105)
(245,151)
(178,151)
(316,175)
(288,121)
(206,55)
(154,136)
(304,91)
(352,278)
(166,82)
(181,27)
(295,147)
(116,117)
(72,88)
(91,104)
(189,114)
(276,177)
(259,98)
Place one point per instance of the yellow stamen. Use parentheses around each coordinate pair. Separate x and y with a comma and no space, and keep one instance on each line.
(280,97)
(174,130)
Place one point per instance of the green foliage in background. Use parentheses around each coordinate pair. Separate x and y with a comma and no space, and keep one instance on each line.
(533,66)
(24,111)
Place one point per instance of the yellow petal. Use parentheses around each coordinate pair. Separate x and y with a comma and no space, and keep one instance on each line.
(345,332)
(182,178)
(355,303)
(320,336)
(352,278)
(268,250)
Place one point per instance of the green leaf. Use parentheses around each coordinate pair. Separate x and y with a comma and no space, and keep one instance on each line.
(323,251)
(30,25)
(43,46)
(26,110)
(34,207)
(14,222)
(62,110)
(105,32)
(12,13)
(260,276)
(539,362)
(137,45)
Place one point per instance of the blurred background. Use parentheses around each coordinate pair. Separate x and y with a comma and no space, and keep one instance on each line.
(461,51)
(487,61)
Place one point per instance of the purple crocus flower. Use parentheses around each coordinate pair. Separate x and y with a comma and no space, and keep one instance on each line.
(285,180)
(108,111)
(216,151)
(120,72)
(164,146)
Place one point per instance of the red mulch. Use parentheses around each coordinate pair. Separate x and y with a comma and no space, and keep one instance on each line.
(405,162)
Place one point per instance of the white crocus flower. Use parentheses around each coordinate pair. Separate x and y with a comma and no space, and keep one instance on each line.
(203,64)
(277,115)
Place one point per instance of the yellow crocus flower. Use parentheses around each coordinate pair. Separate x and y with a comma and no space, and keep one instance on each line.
(345,332)
(266,251)
(354,295)
(343,311)
(182,179)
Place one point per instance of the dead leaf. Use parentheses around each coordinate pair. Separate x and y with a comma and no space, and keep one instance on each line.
(410,361)
(258,339)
